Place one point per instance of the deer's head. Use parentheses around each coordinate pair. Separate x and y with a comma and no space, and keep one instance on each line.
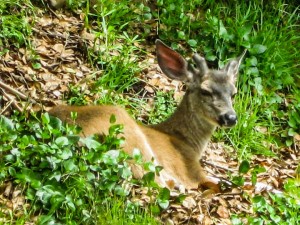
(210,92)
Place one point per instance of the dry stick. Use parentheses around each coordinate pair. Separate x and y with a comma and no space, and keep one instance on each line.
(15,92)
(230,193)
(6,107)
(217,166)
(13,101)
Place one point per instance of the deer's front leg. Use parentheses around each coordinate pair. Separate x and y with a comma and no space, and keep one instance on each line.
(207,183)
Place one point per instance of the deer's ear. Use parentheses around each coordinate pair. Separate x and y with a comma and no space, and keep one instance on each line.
(172,63)
(232,68)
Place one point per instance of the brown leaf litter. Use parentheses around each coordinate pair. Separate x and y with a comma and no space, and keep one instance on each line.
(58,41)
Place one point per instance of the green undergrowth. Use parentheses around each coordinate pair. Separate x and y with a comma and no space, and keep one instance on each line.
(15,28)
(268,207)
(267,103)
(71,180)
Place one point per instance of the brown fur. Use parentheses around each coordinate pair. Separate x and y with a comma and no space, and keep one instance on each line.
(177,143)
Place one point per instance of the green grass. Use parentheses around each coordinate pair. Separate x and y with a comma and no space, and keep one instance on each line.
(268,101)
(15,28)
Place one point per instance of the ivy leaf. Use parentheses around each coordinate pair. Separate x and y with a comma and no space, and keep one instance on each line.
(244,167)
(6,123)
(111,157)
(70,166)
(45,118)
(164,194)
(90,143)
(192,42)
(62,141)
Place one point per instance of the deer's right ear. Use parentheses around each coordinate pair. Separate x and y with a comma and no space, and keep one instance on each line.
(172,63)
(232,68)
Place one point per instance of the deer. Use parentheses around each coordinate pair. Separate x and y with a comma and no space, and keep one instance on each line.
(177,143)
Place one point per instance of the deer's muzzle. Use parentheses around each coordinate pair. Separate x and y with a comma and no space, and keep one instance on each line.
(228,119)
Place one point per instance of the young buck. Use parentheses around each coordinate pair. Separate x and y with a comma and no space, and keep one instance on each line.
(177,143)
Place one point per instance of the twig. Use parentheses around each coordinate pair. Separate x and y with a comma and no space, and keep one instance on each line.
(13,102)
(6,107)
(217,166)
(230,193)
(10,89)
(15,92)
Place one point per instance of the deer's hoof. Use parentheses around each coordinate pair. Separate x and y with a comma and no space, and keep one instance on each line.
(210,185)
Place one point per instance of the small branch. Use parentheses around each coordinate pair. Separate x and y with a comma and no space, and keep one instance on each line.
(230,193)
(13,102)
(6,107)
(15,92)
(217,166)
(12,90)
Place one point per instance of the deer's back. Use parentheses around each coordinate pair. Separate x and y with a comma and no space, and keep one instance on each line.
(153,144)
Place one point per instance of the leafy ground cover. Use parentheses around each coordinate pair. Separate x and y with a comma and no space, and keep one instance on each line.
(52,56)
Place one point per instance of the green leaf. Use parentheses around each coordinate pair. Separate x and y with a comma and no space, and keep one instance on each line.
(289,142)
(66,154)
(149,166)
(181,198)
(12,171)
(112,119)
(163,203)
(147,16)
(90,176)
(137,156)
(291,132)
(73,139)
(62,141)
(27,175)
(70,203)
(238,180)
(6,123)
(126,173)
(155,209)
(258,49)
(181,35)
(56,175)
(244,167)
(111,157)
(236,221)
(74,115)
(70,166)
(55,123)
(91,143)
(121,191)
(36,66)
(253,178)
(192,42)
(259,202)
(149,177)
(45,118)
(164,194)
(252,61)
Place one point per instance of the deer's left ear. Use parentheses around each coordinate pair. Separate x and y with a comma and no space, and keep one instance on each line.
(232,68)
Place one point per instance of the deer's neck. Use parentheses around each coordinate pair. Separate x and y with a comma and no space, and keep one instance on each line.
(188,126)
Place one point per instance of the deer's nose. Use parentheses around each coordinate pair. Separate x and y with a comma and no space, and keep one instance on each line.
(228,119)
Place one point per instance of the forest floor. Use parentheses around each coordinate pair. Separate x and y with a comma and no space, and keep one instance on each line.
(58,39)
